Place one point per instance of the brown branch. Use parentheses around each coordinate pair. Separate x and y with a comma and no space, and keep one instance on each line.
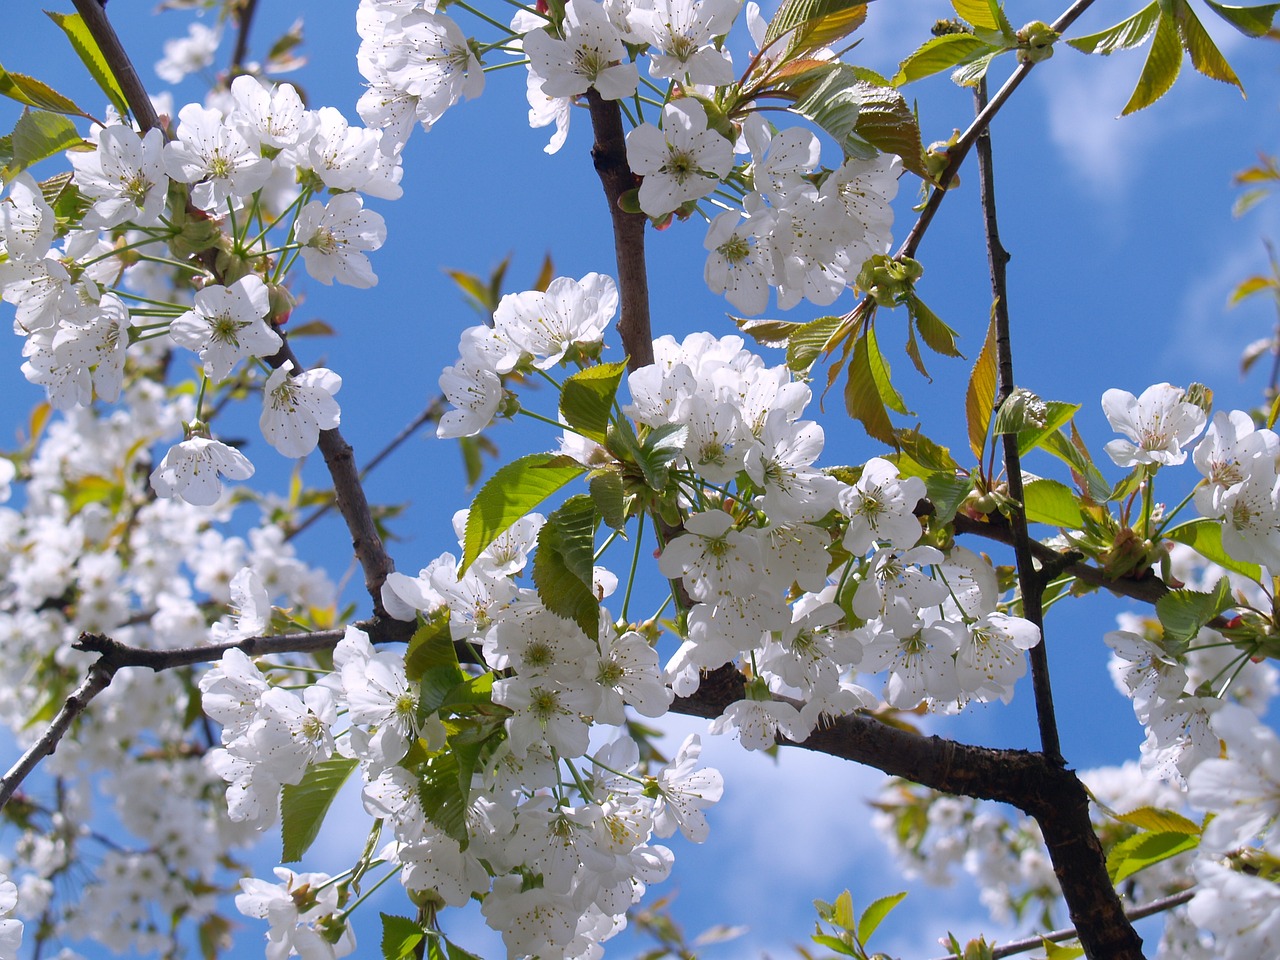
(1029,578)
(243,12)
(118,62)
(609,154)
(1014,947)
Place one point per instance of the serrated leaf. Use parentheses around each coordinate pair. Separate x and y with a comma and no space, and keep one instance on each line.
(1125,35)
(431,646)
(1140,851)
(34,93)
(937,336)
(1164,60)
(933,457)
(513,491)
(470,692)
(586,399)
(442,796)
(807,342)
(971,73)
(1095,483)
(87,49)
(874,915)
(400,937)
(980,396)
(1206,58)
(1051,502)
(563,564)
(861,398)
(303,805)
(609,497)
(946,492)
(658,450)
(767,333)
(1251,21)
(811,24)
(37,135)
(883,374)
(976,12)
(887,122)
(1154,820)
(833,944)
(941,53)
(456,952)
(1183,612)
(1057,415)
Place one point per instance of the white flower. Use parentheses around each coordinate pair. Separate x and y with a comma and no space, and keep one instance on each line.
(430,60)
(1232,449)
(476,394)
(591,54)
(738,263)
(546,324)
(681,162)
(684,789)
(1251,517)
(681,32)
(26,220)
(212,155)
(227,325)
(252,609)
(1241,911)
(335,236)
(880,507)
(990,659)
(296,408)
(188,54)
(10,929)
(1158,424)
(190,470)
(125,177)
(758,723)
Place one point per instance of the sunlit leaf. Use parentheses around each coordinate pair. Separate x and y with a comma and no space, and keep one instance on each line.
(1164,60)
(1205,537)
(980,397)
(862,398)
(874,915)
(38,134)
(1251,21)
(400,937)
(586,399)
(941,53)
(1154,819)
(1125,35)
(1183,612)
(1140,851)
(513,491)
(34,93)
(90,55)
(1052,502)
(303,805)
(1204,53)
(563,564)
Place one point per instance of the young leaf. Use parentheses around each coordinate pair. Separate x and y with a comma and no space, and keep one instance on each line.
(874,915)
(442,796)
(1056,951)
(1144,849)
(1125,35)
(1164,60)
(976,12)
(34,93)
(400,937)
(767,333)
(563,564)
(941,53)
(933,457)
(1204,53)
(812,24)
(513,491)
(946,492)
(86,48)
(809,340)
(657,451)
(430,646)
(980,397)
(883,374)
(587,398)
(37,135)
(1153,819)
(1251,21)
(303,805)
(843,915)
(937,336)
(1205,537)
(610,500)
(1057,415)
(862,399)
(887,122)
(1051,502)
(1183,612)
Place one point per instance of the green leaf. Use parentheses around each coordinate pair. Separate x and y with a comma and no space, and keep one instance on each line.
(473,691)
(90,55)
(941,53)
(513,491)
(937,336)
(1164,60)
(1144,849)
(829,97)
(37,135)
(976,12)
(303,805)
(834,944)
(812,24)
(1051,502)
(887,122)
(1056,951)
(33,93)
(767,333)
(443,799)
(1183,612)
(609,497)
(1205,55)
(562,566)
(861,397)
(931,456)
(883,375)
(1156,820)
(1251,21)
(874,915)
(431,646)
(807,342)
(1125,35)
(980,397)
(658,450)
(586,399)
(1057,415)
(842,912)
(1205,537)
(457,953)
(946,492)
(400,937)
(971,73)
(1066,451)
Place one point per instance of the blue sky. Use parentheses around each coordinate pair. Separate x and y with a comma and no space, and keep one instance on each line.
(1124,250)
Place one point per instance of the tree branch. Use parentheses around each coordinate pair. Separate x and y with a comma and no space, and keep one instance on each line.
(95,19)
(1029,578)
(610,156)
(244,12)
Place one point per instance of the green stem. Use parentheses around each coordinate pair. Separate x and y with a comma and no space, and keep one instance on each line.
(635,566)
(505,28)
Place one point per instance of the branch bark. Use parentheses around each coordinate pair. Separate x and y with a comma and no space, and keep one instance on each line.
(95,18)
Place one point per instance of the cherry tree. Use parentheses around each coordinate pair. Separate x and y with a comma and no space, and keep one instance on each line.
(491,697)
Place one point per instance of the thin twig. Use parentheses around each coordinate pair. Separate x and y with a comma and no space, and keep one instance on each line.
(1014,947)
(95,19)
(1028,577)
(244,22)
